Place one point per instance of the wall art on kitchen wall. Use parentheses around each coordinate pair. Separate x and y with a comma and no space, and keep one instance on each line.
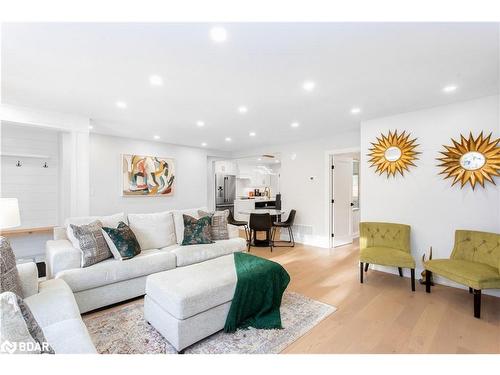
(472,160)
(147,175)
(393,153)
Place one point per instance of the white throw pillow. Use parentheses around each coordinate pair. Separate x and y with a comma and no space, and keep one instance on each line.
(179,220)
(107,221)
(153,231)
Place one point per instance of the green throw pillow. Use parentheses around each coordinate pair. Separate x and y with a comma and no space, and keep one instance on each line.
(122,241)
(197,231)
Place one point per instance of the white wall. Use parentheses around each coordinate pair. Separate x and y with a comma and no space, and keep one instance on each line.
(299,161)
(422,198)
(192,167)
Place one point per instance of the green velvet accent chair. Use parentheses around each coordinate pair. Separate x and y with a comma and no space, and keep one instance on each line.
(385,244)
(474,262)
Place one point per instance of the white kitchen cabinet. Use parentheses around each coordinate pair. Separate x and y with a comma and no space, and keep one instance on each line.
(227,167)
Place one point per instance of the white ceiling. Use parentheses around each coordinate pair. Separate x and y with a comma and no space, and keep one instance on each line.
(381,68)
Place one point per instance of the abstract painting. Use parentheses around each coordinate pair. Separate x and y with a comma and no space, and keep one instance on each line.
(148,175)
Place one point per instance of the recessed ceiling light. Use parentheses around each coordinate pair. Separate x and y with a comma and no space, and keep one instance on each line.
(242,109)
(276,161)
(449,88)
(200,123)
(259,159)
(355,110)
(156,137)
(218,34)
(252,134)
(227,139)
(91,127)
(309,85)
(156,80)
(294,124)
(204,144)
(121,104)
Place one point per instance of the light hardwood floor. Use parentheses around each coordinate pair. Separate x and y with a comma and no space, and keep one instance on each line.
(382,315)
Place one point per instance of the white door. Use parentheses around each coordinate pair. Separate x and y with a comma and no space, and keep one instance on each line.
(342,195)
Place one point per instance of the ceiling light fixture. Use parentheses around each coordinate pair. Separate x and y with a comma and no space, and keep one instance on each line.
(156,137)
(449,88)
(156,80)
(294,124)
(309,86)
(252,134)
(355,110)
(227,139)
(121,104)
(242,109)
(204,144)
(91,127)
(200,123)
(218,34)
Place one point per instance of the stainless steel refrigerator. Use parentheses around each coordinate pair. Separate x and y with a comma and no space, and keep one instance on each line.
(225,192)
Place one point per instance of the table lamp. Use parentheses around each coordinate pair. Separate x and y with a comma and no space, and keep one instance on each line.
(9,213)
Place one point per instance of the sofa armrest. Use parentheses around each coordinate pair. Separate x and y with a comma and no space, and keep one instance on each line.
(60,255)
(28,274)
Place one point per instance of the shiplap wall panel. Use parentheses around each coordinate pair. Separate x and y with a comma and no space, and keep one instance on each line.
(36,188)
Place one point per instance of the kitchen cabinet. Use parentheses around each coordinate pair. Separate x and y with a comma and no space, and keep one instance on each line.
(227,167)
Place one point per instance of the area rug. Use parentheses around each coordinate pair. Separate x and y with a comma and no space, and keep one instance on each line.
(124,331)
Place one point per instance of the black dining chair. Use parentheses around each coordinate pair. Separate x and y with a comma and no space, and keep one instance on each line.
(260,223)
(288,224)
(239,223)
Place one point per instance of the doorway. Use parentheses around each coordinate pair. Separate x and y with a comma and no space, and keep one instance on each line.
(344,198)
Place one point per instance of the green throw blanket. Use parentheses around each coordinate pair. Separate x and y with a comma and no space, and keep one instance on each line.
(257,298)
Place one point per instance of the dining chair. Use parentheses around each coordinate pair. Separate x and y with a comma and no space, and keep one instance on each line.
(260,223)
(288,224)
(239,223)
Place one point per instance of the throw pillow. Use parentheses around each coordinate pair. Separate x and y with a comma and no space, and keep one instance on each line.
(196,231)
(91,243)
(122,241)
(9,277)
(19,331)
(219,224)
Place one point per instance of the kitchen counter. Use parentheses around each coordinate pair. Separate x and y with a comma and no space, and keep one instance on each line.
(257,199)
(242,204)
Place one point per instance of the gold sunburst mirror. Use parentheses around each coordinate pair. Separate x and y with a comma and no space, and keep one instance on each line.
(471,160)
(393,153)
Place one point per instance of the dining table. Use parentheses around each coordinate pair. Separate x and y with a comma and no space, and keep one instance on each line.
(274,213)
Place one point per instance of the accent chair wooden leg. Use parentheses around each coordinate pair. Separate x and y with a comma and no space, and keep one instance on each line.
(361,272)
(400,270)
(477,303)
(412,279)
(366,266)
(428,278)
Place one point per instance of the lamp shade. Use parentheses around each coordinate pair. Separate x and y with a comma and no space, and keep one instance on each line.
(9,213)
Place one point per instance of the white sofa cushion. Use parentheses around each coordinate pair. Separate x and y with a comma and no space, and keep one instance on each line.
(111,270)
(179,221)
(191,254)
(69,336)
(187,291)
(153,231)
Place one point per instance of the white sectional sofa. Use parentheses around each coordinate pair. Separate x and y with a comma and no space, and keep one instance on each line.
(113,281)
(56,312)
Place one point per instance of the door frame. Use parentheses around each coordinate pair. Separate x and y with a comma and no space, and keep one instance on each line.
(329,176)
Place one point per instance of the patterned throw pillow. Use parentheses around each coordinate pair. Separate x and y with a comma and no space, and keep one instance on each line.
(19,326)
(91,243)
(122,241)
(219,224)
(196,231)
(9,277)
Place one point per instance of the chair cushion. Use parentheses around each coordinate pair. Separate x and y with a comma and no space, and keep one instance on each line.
(188,291)
(473,274)
(191,254)
(111,271)
(387,256)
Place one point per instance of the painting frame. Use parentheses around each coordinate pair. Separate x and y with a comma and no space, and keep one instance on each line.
(147,175)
